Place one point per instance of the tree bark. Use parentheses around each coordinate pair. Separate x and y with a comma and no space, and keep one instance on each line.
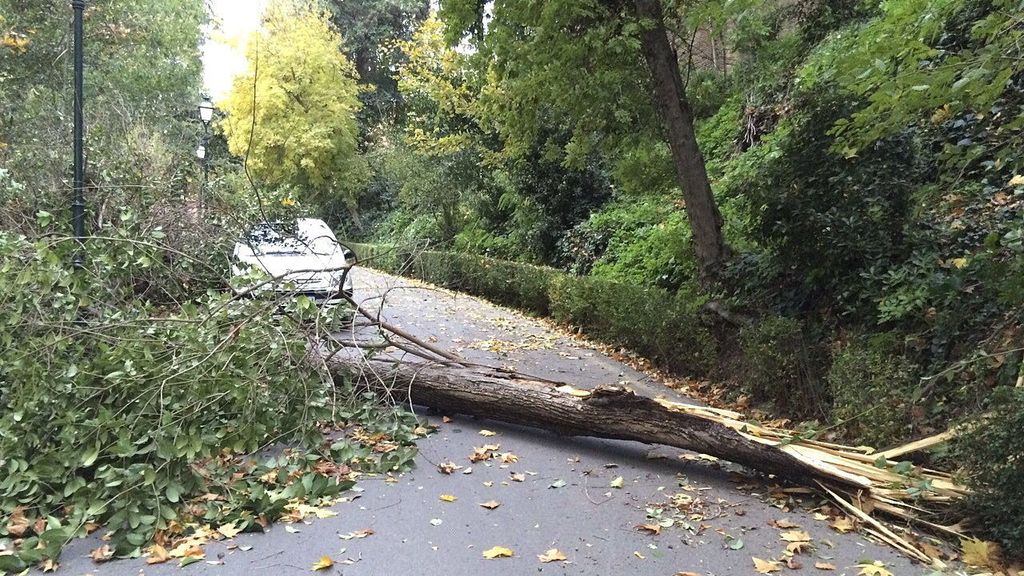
(608,412)
(671,103)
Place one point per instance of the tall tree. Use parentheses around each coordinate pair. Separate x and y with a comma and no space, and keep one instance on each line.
(293,113)
(373,29)
(597,64)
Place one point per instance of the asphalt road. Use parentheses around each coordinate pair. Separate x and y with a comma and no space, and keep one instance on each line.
(556,493)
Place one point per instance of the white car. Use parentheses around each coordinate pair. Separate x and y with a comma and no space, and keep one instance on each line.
(303,256)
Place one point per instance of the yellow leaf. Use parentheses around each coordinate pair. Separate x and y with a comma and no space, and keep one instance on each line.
(797,547)
(509,458)
(491,505)
(553,555)
(157,555)
(1017,180)
(795,536)
(229,530)
(824,566)
(488,433)
(766,566)
(980,553)
(449,498)
(617,482)
(843,524)
(784,524)
(323,563)
(498,552)
(959,263)
(876,568)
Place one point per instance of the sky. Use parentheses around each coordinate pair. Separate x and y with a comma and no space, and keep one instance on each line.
(224,51)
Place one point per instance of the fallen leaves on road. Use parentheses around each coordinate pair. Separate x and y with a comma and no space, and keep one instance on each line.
(157,554)
(617,482)
(485,452)
(323,563)
(508,458)
(491,504)
(102,554)
(488,433)
(448,498)
(357,534)
(653,529)
(229,531)
(556,484)
(498,552)
(875,568)
(824,566)
(795,536)
(981,554)
(448,467)
(784,524)
(552,555)
(843,524)
(766,566)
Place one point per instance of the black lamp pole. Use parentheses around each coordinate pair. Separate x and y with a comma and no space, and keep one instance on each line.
(78,201)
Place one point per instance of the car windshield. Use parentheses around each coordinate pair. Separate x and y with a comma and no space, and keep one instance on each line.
(296,237)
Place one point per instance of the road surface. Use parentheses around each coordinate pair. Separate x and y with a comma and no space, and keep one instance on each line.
(583,497)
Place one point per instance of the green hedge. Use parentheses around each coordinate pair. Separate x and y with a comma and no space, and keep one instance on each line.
(652,322)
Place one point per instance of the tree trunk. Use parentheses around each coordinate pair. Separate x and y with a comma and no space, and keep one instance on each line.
(670,100)
(608,412)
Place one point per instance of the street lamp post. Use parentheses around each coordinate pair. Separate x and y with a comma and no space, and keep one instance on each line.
(206,116)
(78,198)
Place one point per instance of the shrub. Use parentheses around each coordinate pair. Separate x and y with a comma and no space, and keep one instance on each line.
(659,325)
(779,366)
(522,286)
(992,455)
(872,390)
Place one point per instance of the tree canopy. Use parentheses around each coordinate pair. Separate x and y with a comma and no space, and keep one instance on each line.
(292,115)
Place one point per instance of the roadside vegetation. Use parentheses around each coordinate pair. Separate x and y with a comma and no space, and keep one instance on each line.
(843,247)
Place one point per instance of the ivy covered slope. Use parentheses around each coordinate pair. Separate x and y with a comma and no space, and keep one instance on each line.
(866,163)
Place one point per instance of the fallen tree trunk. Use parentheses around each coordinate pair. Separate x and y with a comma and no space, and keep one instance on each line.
(615,412)
(607,412)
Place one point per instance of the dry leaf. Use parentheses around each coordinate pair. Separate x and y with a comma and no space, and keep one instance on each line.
(448,467)
(1017,180)
(446,419)
(357,534)
(654,529)
(18,523)
(876,568)
(793,564)
(229,530)
(157,554)
(323,563)
(49,565)
(795,536)
(798,547)
(488,433)
(824,566)
(518,477)
(491,505)
(616,482)
(448,498)
(498,552)
(843,524)
(102,554)
(766,566)
(553,555)
(784,524)
(980,553)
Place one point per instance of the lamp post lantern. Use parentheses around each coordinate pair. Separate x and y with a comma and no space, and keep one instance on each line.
(206,116)
(78,198)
